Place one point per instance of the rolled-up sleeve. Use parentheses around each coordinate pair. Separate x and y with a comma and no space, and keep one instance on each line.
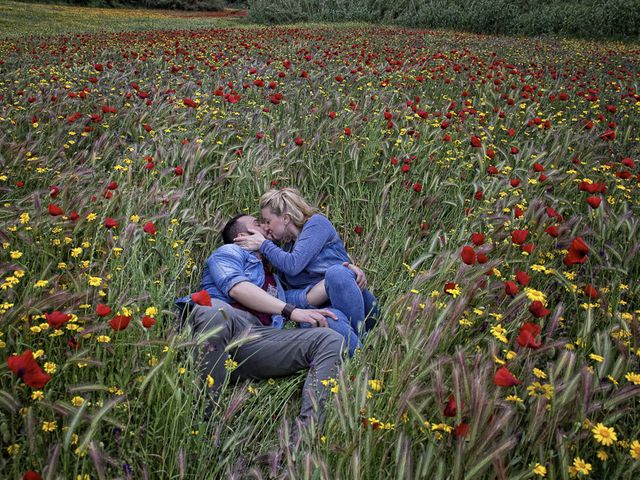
(226,267)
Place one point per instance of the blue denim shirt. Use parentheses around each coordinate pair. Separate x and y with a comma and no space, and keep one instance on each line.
(305,262)
(226,267)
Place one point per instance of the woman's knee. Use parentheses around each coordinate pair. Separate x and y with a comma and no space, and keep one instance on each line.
(338,274)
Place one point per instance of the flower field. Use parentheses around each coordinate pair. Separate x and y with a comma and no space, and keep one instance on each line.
(489,187)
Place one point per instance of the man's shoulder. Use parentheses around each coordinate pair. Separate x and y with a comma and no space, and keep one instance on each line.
(234,251)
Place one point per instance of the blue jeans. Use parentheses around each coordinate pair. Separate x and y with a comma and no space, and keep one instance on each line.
(345,295)
(343,327)
(360,306)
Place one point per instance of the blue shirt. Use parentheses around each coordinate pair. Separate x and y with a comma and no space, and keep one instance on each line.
(226,267)
(305,262)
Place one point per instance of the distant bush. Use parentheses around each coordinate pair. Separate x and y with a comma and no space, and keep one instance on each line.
(613,18)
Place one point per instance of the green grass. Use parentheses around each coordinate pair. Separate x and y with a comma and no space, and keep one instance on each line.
(18,19)
(129,405)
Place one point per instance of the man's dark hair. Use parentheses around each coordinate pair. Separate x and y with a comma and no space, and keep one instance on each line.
(233,228)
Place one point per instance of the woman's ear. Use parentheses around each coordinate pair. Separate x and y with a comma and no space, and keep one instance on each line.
(286,218)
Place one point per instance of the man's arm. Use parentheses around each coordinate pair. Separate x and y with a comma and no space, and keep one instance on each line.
(255,298)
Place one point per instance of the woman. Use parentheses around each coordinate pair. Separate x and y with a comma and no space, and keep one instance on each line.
(313,251)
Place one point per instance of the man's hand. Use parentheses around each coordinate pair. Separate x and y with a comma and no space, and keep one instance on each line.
(251,242)
(314,317)
(361,278)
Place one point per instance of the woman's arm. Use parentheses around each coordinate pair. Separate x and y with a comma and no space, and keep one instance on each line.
(312,239)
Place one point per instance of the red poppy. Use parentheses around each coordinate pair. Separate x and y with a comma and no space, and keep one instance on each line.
(54,191)
(552,231)
(515,182)
(504,378)
(417,187)
(103,310)
(202,298)
(475,141)
(110,223)
(515,150)
(538,167)
(148,322)
(190,103)
(628,161)
(178,171)
(478,195)
(573,258)
(461,430)
(523,278)
(510,288)
(26,368)
(149,228)
(577,252)
(468,255)
(538,310)
(477,238)
(579,246)
(451,408)
(54,210)
(595,187)
(528,247)
(358,230)
(298,141)
(492,170)
(147,127)
(608,135)
(527,335)
(482,258)
(594,202)
(56,319)
(552,213)
(120,322)
(73,343)
(591,292)
(332,115)
(31,475)
(450,286)
(519,236)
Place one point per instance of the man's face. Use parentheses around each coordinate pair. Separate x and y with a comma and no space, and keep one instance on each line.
(248,222)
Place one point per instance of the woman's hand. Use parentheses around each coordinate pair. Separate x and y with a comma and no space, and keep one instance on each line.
(251,242)
(361,278)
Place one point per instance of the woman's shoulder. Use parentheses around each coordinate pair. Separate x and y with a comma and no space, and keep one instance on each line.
(319,219)
(320,224)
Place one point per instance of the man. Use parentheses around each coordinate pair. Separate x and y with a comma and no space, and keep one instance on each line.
(248,308)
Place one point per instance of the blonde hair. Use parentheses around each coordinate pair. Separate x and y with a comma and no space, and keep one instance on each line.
(288,200)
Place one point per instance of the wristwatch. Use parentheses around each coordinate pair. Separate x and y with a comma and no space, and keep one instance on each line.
(288,310)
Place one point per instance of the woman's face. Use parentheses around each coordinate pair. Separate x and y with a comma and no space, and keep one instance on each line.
(274,225)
